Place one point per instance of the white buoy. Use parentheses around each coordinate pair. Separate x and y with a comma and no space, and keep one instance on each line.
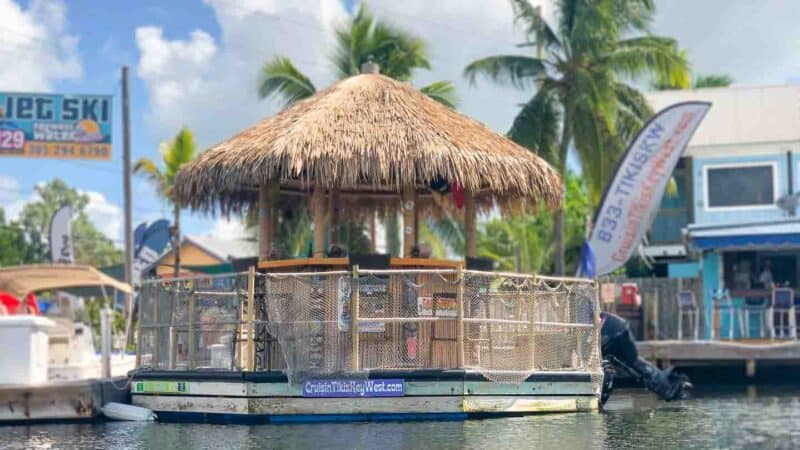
(121,411)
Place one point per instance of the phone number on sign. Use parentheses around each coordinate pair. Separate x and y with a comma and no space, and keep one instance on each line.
(12,139)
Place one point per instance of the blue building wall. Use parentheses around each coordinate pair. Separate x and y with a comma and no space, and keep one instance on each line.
(716,216)
(683,269)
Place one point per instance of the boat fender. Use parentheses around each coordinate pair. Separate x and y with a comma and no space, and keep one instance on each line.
(121,411)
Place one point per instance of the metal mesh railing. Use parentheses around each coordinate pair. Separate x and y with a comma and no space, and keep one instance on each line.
(348,323)
(189,323)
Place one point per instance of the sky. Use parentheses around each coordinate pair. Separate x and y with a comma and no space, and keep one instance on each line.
(196,63)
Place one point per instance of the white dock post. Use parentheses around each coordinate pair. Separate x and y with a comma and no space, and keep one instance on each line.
(105,344)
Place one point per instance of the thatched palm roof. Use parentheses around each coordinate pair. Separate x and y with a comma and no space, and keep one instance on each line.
(367,134)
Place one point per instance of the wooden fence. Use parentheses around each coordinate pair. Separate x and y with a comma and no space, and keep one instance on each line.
(657,319)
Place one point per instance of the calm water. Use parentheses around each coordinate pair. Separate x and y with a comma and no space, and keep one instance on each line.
(741,418)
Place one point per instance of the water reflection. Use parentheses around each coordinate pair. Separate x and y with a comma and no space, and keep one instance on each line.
(740,418)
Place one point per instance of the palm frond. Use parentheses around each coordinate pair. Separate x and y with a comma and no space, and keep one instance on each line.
(148,168)
(279,77)
(443,92)
(534,25)
(516,70)
(652,56)
(537,124)
(181,151)
(711,81)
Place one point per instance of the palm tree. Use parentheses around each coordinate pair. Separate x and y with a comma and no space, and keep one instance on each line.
(398,53)
(577,73)
(174,154)
(711,81)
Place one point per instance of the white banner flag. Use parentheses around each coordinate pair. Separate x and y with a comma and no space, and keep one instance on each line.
(61,236)
(632,198)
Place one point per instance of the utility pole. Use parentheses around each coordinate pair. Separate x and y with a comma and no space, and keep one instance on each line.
(126,185)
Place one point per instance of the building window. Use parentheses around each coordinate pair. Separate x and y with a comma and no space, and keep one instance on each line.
(733,186)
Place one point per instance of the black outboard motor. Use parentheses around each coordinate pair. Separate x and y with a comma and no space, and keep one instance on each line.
(620,355)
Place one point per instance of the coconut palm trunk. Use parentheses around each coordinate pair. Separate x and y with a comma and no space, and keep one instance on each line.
(558,217)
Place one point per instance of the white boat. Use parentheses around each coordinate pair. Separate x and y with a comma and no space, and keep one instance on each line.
(53,370)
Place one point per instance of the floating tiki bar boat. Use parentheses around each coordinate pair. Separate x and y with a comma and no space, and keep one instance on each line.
(366,337)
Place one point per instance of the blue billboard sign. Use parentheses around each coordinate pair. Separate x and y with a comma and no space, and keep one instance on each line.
(55,125)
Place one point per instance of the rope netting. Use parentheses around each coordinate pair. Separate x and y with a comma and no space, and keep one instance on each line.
(505,326)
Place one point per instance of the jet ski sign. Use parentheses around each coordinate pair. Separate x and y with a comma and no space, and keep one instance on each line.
(55,126)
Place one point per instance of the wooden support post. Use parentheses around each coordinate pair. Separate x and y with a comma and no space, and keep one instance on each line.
(268,195)
(487,301)
(416,218)
(469,224)
(318,210)
(191,337)
(333,211)
(173,335)
(532,330)
(156,333)
(656,307)
(409,225)
(750,368)
(460,318)
(251,318)
(264,222)
(596,312)
(354,315)
(373,245)
(139,328)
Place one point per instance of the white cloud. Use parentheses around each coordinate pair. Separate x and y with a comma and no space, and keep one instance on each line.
(755,43)
(13,198)
(230,229)
(106,217)
(210,85)
(36,41)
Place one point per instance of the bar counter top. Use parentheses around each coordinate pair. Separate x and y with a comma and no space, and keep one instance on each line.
(296,263)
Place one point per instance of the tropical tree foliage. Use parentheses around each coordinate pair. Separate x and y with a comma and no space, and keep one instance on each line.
(699,82)
(499,238)
(89,244)
(16,246)
(713,80)
(576,72)
(174,155)
(398,53)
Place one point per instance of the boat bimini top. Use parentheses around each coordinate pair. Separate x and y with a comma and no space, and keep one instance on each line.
(20,281)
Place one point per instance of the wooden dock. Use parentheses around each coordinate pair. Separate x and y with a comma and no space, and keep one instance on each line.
(699,356)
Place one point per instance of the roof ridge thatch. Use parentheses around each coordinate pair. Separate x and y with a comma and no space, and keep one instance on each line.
(366,132)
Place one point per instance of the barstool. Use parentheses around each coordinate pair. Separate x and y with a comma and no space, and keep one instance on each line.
(722,302)
(759,307)
(783,306)
(688,307)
